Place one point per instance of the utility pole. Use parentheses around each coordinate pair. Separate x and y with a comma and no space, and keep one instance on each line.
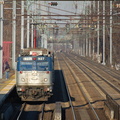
(32,33)
(93,44)
(98,31)
(22,24)
(87,44)
(111,33)
(93,33)
(90,32)
(14,35)
(1,40)
(84,40)
(86,37)
(103,33)
(28,28)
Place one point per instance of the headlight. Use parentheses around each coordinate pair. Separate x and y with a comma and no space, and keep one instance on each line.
(19,89)
(49,89)
(23,80)
(45,80)
(34,71)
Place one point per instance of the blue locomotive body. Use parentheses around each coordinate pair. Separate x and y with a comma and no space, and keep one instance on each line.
(34,76)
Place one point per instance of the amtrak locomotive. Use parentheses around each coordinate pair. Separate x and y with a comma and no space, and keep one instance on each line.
(34,75)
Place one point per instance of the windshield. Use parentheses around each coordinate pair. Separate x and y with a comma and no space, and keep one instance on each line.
(42,66)
(24,66)
(28,66)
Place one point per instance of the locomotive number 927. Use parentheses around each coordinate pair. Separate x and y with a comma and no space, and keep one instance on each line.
(34,75)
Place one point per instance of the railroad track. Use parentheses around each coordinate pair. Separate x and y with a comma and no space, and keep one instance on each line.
(86,98)
(67,92)
(39,112)
(106,82)
(93,74)
(21,110)
(32,112)
(112,75)
(72,77)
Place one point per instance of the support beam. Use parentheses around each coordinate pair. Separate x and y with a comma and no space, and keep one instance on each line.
(98,31)
(103,33)
(14,35)
(1,41)
(32,33)
(28,30)
(80,15)
(22,24)
(111,33)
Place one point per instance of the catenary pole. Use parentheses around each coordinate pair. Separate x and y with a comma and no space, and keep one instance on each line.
(111,33)
(93,34)
(103,33)
(22,24)
(86,38)
(28,28)
(1,41)
(90,33)
(32,33)
(98,30)
(14,35)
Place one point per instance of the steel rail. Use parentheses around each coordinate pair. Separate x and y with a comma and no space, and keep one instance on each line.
(22,109)
(42,112)
(74,116)
(110,72)
(81,89)
(113,86)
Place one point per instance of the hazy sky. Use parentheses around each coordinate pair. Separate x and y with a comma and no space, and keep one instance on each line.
(63,8)
(72,6)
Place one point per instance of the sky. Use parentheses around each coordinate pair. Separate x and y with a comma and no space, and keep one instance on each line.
(63,8)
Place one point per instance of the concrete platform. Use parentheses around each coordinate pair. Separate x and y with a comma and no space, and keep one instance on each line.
(5,87)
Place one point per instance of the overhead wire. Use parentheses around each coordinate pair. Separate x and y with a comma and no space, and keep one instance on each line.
(58,9)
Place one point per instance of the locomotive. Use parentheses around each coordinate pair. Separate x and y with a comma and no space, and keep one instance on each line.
(35,75)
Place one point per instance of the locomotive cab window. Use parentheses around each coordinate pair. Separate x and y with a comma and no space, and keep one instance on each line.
(42,66)
(25,66)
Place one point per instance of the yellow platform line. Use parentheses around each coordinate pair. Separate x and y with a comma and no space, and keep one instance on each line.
(10,85)
(7,81)
(12,82)
(12,77)
(5,89)
(3,84)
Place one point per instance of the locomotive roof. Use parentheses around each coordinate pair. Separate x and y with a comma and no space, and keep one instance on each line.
(40,51)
